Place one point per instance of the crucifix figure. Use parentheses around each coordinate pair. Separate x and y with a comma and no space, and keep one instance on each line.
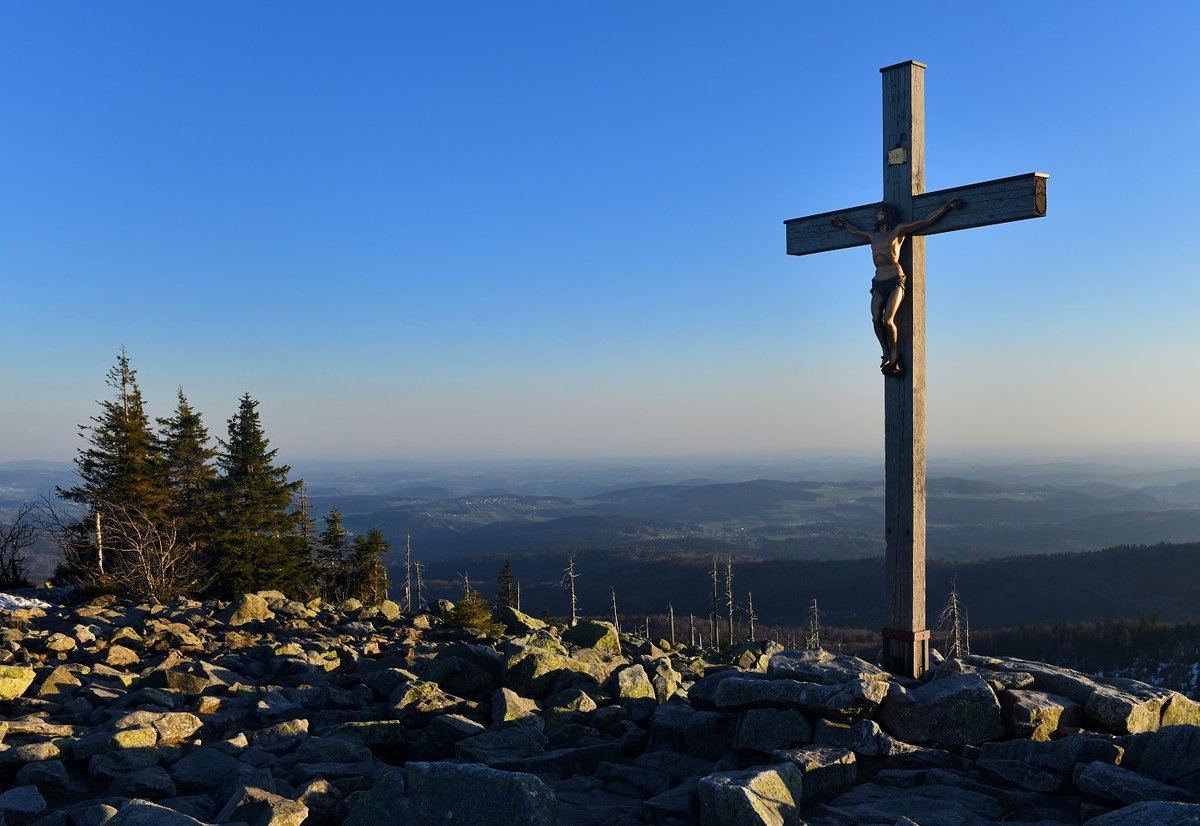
(887,287)
(898,249)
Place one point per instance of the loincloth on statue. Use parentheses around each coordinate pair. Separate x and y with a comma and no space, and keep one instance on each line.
(887,285)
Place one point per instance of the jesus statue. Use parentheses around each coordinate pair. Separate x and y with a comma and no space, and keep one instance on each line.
(887,287)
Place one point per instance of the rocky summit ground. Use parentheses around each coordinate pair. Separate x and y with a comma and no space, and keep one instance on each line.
(271,712)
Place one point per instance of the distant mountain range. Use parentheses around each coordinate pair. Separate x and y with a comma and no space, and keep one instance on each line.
(803,538)
(967,518)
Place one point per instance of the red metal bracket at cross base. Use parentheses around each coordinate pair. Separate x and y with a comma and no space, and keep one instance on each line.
(906,636)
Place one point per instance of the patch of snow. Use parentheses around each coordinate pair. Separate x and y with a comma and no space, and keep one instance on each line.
(11,602)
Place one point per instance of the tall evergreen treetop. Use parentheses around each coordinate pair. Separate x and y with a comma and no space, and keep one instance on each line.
(368,575)
(506,590)
(332,565)
(121,465)
(188,472)
(259,538)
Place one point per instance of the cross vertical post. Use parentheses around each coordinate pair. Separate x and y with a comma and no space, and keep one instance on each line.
(905,639)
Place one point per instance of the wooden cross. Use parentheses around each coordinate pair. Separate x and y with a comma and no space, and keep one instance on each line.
(905,638)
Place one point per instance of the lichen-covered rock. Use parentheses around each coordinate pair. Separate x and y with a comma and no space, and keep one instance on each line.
(827,770)
(120,656)
(262,808)
(1118,785)
(1057,755)
(632,687)
(823,667)
(535,673)
(146,813)
(59,685)
(769,729)
(1173,756)
(1181,711)
(753,656)
(151,782)
(1036,715)
(246,609)
(850,701)
(496,798)
(516,622)
(863,737)
(14,679)
(768,796)
(508,706)
(594,634)
(953,710)
(60,643)
(1124,711)
(664,677)
(502,745)
(21,804)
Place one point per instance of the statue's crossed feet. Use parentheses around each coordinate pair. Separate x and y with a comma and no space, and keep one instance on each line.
(891,368)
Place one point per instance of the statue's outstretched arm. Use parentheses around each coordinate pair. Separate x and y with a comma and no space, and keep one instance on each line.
(932,218)
(842,223)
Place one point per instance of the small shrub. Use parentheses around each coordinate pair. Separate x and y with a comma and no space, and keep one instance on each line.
(473,611)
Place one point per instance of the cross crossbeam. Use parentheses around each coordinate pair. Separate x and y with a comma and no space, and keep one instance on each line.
(990,202)
(906,640)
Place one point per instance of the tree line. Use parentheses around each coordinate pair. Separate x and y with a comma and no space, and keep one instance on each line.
(161,511)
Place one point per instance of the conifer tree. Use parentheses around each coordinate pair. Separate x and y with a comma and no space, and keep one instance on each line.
(472,612)
(189,474)
(120,468)
(333,544)
(368,577)
(506,593)
(258,536)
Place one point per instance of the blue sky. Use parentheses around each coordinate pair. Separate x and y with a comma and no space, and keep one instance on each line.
(506,230)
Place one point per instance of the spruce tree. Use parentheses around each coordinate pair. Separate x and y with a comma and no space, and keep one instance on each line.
(119,469)
(506,592)
(368,575)
(189,474)
(332,547)
(259,543)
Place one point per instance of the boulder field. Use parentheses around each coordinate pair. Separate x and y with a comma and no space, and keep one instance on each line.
(271,712)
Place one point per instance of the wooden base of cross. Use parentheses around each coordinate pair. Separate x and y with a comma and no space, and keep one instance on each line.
(905,638)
